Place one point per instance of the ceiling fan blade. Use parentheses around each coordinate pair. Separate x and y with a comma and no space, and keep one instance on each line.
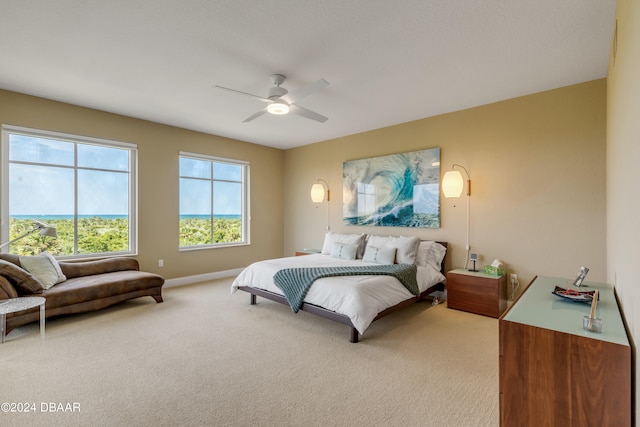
(301,111)
(244,93)
(255,116)
(305,90)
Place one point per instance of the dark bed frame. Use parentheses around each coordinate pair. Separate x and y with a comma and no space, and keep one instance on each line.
(341,318)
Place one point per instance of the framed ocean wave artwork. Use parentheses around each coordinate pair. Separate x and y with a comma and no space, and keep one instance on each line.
(398,190)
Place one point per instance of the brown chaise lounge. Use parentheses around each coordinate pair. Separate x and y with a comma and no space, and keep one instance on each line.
(90,285)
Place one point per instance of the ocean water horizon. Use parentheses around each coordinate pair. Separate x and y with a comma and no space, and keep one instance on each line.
(48,217)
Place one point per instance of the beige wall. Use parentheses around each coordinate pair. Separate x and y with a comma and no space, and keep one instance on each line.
(158,148)
(537,166)
(623,157)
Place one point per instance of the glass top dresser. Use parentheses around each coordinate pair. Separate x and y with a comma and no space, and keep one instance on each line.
(552,371)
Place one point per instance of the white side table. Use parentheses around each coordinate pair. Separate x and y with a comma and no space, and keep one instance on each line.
(14,305)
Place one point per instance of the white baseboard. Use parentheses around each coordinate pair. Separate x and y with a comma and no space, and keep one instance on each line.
(188,280)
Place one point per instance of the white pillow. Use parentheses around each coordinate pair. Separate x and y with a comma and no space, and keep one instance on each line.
(430,253)
(437,253)
(344,251)
(379,255)
(44,267)
(54,262)
(378,241)
(424,249)
(350,239)
(406,247)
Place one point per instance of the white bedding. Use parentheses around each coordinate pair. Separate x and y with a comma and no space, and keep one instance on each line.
(360,298)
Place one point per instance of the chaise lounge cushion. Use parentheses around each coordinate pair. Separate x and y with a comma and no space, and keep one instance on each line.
(98,286)
(90,285)
(89,268)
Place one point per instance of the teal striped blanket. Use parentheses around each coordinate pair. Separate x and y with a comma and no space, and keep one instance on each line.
(295,282)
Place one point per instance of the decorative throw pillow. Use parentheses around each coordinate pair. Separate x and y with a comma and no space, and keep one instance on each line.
(344,251)
(406,247)
(54,262)
(379,255)
(350,239)
(24,282)
(44,267)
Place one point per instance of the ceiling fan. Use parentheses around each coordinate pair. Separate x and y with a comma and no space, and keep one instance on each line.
(280,101)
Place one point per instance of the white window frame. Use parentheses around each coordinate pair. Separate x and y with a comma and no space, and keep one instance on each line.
(245,210)
(8,130)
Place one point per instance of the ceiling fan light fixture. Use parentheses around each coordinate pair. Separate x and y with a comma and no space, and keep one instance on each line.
(280,101)
(278,108)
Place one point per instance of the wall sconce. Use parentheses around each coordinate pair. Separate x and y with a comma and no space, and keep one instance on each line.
(45,230)
(317,196)
(318,190)
(452,183)
(452,186)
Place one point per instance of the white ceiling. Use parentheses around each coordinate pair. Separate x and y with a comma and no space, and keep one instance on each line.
(387,62)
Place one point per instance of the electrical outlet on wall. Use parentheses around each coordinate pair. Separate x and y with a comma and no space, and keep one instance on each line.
(160,263)
(513,278)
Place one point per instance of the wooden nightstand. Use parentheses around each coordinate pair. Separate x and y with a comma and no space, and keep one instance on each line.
(477,292)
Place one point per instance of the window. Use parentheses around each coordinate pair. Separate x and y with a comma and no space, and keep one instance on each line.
(213,202)
(85,187)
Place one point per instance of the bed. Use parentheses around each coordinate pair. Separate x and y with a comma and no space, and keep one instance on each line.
(354,300)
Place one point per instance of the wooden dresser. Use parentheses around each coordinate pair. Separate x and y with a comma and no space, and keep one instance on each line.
(553,372)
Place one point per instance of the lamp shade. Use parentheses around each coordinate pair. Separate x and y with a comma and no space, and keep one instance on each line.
(45,230)
(317,193)
(452,184)
(49,232)
(278,108)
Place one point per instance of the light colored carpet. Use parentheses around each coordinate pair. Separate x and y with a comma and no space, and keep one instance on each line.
(208,358)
